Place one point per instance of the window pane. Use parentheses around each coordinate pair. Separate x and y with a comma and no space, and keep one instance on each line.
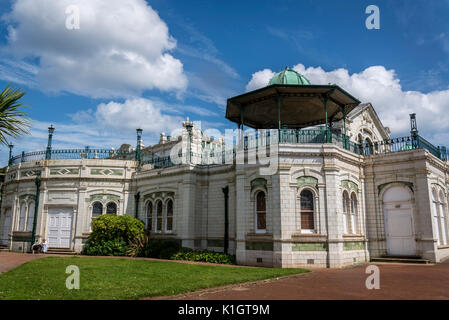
(150,216)
(111,208)
(261,205)
(30,220)
(306,200)
(159,216)
(307,220)
(169,215)
(261,221)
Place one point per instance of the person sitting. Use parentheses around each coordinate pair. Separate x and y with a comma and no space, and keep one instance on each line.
(44,246)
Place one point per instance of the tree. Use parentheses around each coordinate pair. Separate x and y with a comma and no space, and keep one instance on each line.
(13,121)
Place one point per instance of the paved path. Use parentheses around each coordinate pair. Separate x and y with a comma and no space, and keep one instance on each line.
(397,281)
(10,260)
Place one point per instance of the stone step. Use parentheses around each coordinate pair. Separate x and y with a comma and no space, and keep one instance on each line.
(401,259)
(61,251)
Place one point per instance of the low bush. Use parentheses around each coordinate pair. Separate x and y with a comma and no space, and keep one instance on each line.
(116,247)
(111,235)
(143,246)
(204,256)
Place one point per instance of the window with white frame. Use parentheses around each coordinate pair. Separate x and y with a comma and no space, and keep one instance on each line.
(159,216)
(307,206)
(436,214)
(150,215)
(97,210)
(30,216)
(111,208)
(22,217)
(346,213)
(444,235)
(354,214)
(169,216)
(261,212)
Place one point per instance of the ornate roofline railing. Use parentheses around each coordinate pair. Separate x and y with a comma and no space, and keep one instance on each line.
(255,140)
(86,153)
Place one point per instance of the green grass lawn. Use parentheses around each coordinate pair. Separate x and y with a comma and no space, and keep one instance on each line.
(110,278)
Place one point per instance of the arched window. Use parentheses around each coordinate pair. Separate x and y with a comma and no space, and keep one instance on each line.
(436,214)
(30,219)
(346,209)
(111,208)
(354,214)
(97,210)
(169,221)
(443,219)
(368,146)
(261,212)
(307,211)
(159,216)
(22,217)
(150,215)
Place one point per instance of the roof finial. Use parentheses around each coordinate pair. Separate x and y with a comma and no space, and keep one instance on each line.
(287,68)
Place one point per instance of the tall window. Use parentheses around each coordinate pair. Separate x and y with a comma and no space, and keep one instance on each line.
(169,221)
(97,210)
(443,219)
(159,215)
(307,211)
(346,209)
(261,212)
(368,145)
(30,219)
(150,215)
(111,208)
(354,214)
(436,214)
(22,217)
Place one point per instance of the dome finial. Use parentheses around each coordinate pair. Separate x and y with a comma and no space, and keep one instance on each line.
(287,68)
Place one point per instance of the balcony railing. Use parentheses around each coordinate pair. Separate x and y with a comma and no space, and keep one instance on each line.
(86,153)
(250,141)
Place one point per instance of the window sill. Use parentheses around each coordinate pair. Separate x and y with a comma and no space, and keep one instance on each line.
(259,236)
(445,246)
(309,237)
(353,236)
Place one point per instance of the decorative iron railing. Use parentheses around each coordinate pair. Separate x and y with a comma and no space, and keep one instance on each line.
(250,141)
(86,153)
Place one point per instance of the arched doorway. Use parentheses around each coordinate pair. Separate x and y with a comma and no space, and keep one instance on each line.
(398,217)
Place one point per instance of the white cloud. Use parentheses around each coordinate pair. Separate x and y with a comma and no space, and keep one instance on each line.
(383,89)
(133,114)
(121,48)
(259,79)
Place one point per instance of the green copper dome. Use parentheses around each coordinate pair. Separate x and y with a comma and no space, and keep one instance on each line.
(288,76)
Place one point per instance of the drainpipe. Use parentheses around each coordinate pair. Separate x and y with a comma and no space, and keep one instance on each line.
(36,206)
(136,199)
(226,226)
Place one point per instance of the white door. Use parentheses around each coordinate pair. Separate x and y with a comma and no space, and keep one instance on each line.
(59,230)
(6,228)
(399,227)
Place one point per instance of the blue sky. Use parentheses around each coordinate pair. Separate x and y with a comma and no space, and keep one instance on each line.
(185,58)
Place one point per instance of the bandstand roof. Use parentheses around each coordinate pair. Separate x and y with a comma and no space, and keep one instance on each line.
(301,105)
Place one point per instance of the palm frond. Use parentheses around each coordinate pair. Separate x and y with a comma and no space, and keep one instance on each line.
(13,121)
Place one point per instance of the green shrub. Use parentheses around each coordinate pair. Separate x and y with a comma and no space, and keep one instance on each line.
(110,227)
(111,235)
(204,256)
(115,247)
(143,246)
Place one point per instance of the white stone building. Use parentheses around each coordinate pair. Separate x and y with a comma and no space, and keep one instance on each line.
(341,194)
